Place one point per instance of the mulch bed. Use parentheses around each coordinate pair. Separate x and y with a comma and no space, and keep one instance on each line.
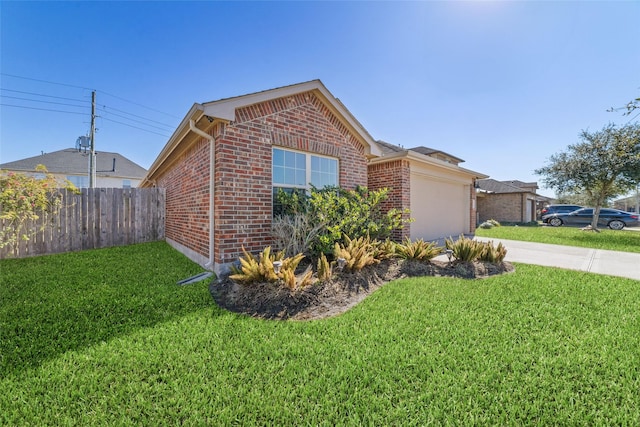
(343,291)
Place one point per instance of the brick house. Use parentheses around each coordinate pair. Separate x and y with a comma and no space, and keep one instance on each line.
(227,158)
(508,201)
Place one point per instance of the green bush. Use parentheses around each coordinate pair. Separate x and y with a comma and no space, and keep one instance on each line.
(357,253)
(418,250)
(464,249)
(385,249)
(490,223)
(336,213)
(325,270)
(490,253)
(24,198)
(261,269)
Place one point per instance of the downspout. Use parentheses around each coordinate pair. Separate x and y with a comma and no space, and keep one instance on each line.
(192,125)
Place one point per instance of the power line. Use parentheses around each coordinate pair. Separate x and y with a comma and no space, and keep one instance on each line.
(138,104)
(44,81)
(86,88)
(41,109)
(135,127)
(104,108)
(134,120)
(43,95)
(47,102)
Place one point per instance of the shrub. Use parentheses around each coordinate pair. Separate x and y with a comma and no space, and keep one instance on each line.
(418,250)
(335,213)
(295,233)
(291,281)
(254,270)
(357,253)
(464,249)
(490,253)
(490,223)
(384,249)
(325,271)
(24,198)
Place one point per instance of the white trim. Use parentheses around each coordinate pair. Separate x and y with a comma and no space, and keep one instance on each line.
(308,156)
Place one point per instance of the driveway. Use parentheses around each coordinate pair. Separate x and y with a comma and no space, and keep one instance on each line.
(614,263)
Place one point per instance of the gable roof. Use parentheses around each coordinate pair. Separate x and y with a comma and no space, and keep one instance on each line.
(502,187)
(423,155)
(73,162)
(388,148)
(225,110)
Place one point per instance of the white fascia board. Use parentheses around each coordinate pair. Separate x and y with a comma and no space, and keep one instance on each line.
(436,162)
(424,159)
(177,136)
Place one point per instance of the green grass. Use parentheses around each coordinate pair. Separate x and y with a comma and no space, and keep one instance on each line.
(107,338)
(622,240)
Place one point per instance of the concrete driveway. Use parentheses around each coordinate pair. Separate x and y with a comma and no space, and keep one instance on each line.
(614,263)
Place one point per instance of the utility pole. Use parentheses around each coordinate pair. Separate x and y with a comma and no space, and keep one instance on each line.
(92,155)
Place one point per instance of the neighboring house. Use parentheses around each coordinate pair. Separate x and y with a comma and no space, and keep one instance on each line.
(508,201)
(112,169)
(628,204)
(227,159)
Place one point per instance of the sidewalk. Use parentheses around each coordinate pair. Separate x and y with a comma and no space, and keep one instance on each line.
(623,264)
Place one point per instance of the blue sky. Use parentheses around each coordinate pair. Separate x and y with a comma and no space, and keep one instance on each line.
(503,85)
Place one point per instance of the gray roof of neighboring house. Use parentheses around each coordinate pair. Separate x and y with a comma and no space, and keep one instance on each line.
(494,186)
(388,148)
(74,162)
(522,184)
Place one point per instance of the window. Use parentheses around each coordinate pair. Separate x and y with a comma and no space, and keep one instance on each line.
(297,171)
(79,181)
(292,169)
(126,183)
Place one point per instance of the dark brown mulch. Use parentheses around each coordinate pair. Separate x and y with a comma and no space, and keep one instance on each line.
(345,290)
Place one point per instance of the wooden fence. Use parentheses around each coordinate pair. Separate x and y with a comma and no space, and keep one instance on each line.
(96,218)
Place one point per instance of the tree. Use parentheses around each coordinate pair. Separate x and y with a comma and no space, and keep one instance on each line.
(25,198)
(603,165)
(630,107)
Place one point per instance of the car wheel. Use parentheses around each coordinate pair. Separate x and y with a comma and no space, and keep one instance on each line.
(616,225)
(555,222)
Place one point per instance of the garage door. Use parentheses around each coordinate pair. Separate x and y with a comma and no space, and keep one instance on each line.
(440,208)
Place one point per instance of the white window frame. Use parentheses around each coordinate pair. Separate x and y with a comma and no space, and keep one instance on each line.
(308,157)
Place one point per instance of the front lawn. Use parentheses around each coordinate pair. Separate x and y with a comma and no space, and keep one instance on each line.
(106,337)
(622,240)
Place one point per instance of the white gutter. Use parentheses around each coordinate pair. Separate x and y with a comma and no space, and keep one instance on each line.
(192,126)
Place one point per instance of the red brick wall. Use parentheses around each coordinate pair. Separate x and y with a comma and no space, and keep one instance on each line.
(394,175)
(501,207)
(243,190)
(187,199)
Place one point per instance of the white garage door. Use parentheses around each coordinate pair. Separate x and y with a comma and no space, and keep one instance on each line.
(440,208)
